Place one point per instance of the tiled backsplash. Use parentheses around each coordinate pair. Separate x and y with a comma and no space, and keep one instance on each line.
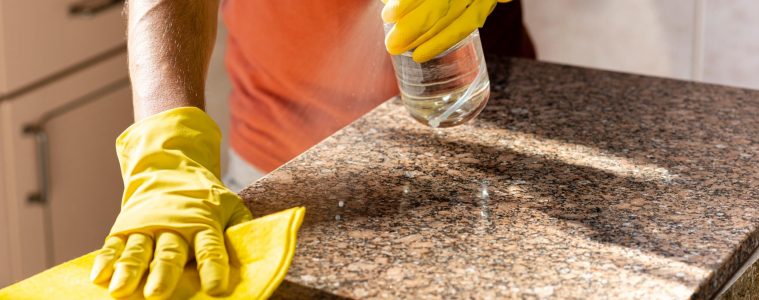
(705,40)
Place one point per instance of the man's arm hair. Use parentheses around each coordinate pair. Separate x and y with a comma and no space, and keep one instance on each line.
(169,44)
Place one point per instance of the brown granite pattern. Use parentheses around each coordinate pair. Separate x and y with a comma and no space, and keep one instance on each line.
(573,183)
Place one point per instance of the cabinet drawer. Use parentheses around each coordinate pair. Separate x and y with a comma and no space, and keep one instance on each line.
(85,182)
(40,37)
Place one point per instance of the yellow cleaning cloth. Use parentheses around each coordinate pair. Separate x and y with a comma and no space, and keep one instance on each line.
(260,252)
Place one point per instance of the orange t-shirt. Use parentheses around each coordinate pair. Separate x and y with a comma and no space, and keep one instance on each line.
(301,70)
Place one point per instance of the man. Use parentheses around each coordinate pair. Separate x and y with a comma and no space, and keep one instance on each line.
(300,71)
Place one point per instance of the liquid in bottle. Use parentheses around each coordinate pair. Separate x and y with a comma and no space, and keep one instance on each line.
(448,90)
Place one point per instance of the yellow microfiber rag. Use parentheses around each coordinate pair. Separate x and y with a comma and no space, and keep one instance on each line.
(260,253)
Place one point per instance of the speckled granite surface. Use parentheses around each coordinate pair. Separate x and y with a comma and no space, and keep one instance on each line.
(572,183)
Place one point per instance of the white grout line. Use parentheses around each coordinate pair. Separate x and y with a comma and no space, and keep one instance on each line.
(697,59)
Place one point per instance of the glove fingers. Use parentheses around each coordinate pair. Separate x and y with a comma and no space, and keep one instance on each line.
(102,268)
(472,18)
(396,9)
(213,261)
(455,11)
(167,266)
(414,24)
(131,266)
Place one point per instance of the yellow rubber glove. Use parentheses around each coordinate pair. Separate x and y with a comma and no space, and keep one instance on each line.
(173,202)
(432,26)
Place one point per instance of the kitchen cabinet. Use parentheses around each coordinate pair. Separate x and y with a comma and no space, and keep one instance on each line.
(64,98)
(39,38)
(60,205)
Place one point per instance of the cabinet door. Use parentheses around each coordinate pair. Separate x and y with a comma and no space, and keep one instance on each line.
(85,183)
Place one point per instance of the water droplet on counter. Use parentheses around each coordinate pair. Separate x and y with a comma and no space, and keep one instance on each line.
(337,217)
(484,194)
(341,203)
(406,189)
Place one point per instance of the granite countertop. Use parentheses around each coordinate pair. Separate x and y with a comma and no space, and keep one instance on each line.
(572,183)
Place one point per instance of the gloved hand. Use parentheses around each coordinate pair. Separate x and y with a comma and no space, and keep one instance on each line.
(173,201)
(432,26)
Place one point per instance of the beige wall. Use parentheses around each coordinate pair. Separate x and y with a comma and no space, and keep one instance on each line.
(706,40)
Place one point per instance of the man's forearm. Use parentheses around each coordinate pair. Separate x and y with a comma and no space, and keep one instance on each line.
(169,43)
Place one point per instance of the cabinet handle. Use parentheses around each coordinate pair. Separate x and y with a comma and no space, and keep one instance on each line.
(89,8)
(40,197)
(37,130)
(43,175)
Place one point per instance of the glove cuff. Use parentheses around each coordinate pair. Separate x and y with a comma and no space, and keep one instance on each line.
(175,138)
